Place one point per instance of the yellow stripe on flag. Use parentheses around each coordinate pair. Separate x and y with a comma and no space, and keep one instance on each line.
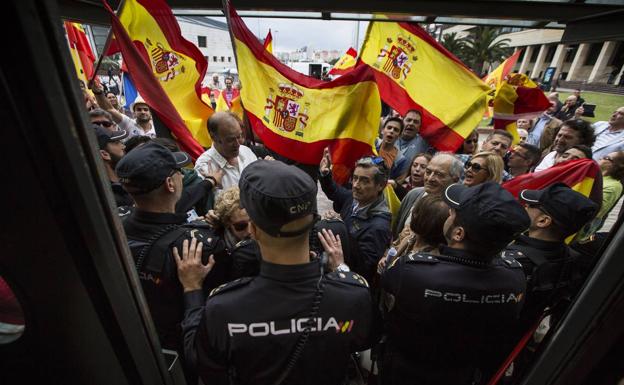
(393,202)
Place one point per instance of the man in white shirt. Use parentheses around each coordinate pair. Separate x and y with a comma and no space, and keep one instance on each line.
(609,135)
(572,132)
(226,152)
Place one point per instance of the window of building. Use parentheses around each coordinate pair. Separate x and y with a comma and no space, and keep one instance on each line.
(222,59)
(571,52)
(214,59)
(550,54)
(521,56)
(594,52)
(201,41)
(536,49)
(229,59)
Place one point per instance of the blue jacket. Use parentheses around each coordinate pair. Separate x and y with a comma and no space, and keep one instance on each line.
(369,229)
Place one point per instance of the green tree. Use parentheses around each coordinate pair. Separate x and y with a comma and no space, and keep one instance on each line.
(454,44)
(482,47)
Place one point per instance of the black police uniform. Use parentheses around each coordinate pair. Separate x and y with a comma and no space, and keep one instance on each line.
(246,259)
(447,316)
(251,327)
(155,234)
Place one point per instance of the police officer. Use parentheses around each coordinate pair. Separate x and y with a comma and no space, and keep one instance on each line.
(151,174)
(551,267)
(447,315)
(291,324)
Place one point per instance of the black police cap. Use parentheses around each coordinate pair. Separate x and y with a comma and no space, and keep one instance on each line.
(489,212)
(146,167)
(570,209)
(105,136)
(275,194)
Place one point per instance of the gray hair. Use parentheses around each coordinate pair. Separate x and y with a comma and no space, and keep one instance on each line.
(100,112)
(456,166)
(381,171)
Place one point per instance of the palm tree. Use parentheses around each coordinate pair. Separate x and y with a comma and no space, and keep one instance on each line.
(454,44)
(482,46)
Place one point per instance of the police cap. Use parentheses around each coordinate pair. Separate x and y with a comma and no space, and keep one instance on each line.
(489,212)
(146,167)
(275,194)
(105,136)
(569,209)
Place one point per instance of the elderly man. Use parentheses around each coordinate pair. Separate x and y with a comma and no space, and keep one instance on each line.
(609,134)
(364,211)
(411,143)
(572,132)
(226,152)
(443,170)
(568,109)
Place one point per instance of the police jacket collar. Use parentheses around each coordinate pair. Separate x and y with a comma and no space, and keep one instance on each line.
(548,246)
(452,252)
(161,218)
(290,273)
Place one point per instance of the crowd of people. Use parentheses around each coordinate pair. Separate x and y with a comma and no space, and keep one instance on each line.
(250,284)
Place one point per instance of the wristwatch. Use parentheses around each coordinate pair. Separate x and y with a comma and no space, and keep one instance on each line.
(342,267)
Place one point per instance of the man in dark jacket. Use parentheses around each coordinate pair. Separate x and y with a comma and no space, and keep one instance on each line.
(364,211)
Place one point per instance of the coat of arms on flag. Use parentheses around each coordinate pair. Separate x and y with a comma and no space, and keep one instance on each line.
(288,114)
(164,61)
(397,63)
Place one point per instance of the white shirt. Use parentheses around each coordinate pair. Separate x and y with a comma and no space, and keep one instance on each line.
(606,141)
(211,161)
(134,129)
(547,162)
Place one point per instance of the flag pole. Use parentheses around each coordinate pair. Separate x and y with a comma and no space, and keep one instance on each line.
(105,49)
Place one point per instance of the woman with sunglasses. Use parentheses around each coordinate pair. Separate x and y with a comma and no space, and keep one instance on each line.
(233,220)
(482,167)
(470,144)
(612,168)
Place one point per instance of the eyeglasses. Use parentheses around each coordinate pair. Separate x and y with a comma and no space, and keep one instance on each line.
(475,166)
(608,158)
(471,140)
(240,226)
(103,123)
(516,153)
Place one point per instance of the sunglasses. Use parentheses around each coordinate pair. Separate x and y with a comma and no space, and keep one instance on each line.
(104,123)
(472,141)
(475,166)
(240,226)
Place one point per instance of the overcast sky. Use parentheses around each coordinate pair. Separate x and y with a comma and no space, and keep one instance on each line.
(291,34)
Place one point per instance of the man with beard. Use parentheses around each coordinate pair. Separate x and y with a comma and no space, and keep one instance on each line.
(111,151)
(411,143)
(142,124)
(572,132)
(442,170)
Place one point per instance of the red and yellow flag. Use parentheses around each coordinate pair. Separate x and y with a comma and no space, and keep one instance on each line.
(167,70)
(268,42)
(413,71)
(496,77)
(81,52)
(345,63)
(297,116)
(517,97)
(582,175)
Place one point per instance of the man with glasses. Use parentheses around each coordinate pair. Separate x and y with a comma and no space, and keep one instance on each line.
(151,174)
(522,158)
(556,212)
(102,118)
(364,211)
(442,170)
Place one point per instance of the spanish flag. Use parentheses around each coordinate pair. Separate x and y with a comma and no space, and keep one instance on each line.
(167,69)
(496,77)
(235,107)
(413,71)
(268,42)
(517,97)
(298,116)
(582,175)
(345,63)
(81,52)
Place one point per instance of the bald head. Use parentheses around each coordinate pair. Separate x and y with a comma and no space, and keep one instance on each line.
(225,132)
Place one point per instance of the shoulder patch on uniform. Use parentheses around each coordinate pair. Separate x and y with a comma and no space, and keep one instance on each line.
(240,282)
(420,258)
(242,243)
(348,277)
(509,258)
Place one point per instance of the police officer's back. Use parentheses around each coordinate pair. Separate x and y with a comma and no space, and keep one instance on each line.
(252,330)
(447,315)
(151,174)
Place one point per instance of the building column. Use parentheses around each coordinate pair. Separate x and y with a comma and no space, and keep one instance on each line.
(603,60)
(528,51)
(557,61)
(539,61)
(579,60)
(619,77)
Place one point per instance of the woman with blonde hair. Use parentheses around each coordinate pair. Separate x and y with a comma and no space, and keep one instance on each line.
(233,220)
(482,167)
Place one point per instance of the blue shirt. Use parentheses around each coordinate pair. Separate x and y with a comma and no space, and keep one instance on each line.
(409,148)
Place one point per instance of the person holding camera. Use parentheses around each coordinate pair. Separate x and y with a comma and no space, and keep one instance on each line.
(292,324)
